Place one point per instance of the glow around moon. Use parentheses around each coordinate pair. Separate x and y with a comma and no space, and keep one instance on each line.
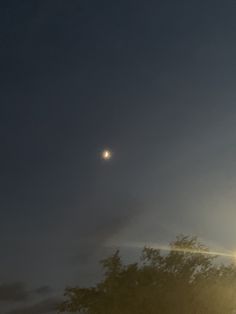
(106,154)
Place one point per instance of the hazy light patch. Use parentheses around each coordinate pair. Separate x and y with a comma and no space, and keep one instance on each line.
(141,245)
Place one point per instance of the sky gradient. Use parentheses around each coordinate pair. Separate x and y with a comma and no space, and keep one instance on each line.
(154,81)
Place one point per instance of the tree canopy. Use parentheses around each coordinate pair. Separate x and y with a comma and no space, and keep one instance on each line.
(184,280)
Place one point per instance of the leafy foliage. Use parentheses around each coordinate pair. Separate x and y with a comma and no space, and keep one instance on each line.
(184,281)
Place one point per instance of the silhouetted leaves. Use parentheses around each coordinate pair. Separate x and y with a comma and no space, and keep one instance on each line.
(185,280)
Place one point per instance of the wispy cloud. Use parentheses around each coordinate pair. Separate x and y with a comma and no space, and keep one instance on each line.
(47,306)
(13,292)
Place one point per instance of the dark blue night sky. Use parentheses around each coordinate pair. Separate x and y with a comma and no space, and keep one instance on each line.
(154,81)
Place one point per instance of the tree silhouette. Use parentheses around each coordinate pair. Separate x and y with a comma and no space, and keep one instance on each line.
(185,280)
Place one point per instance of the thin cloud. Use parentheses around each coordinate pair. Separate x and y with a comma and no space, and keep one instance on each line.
(13,292)
(47,306)
(43,290)
(107,221)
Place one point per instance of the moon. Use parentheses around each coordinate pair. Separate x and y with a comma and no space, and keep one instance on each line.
(106,154)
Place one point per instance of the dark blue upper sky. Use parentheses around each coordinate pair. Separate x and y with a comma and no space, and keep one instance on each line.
(152,80)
